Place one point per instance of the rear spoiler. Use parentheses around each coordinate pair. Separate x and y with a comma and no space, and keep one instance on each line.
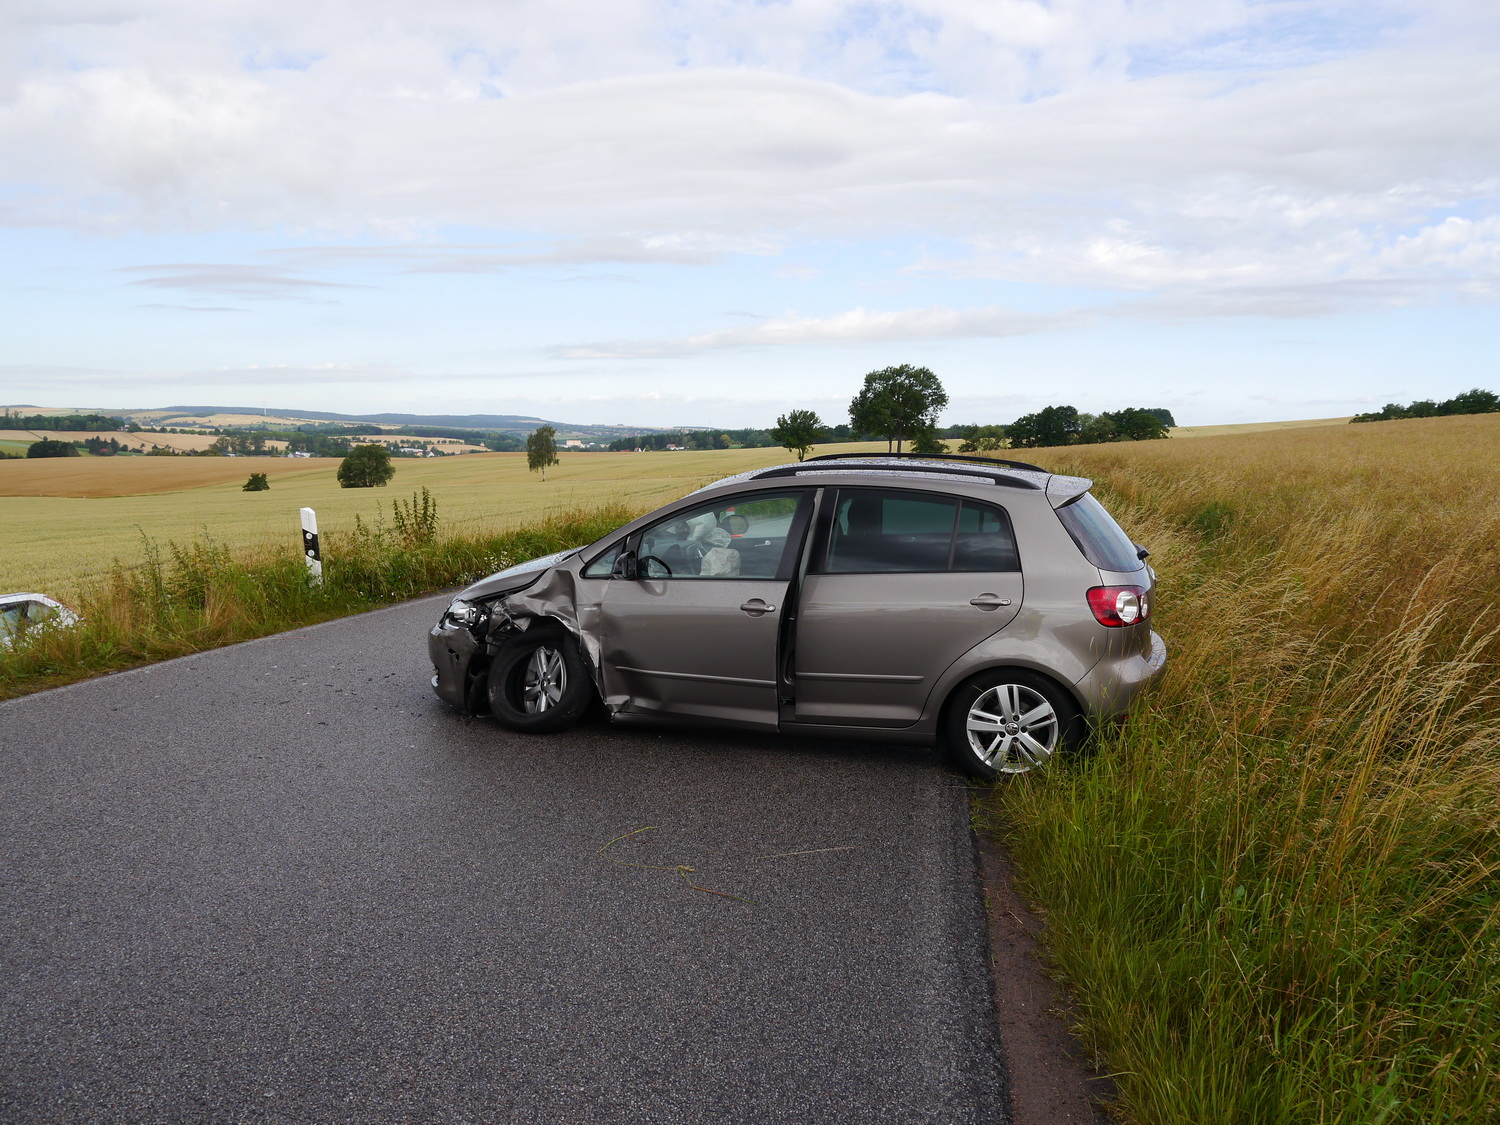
(1062,491)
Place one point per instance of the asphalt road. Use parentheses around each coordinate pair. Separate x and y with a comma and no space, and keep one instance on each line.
(282,882)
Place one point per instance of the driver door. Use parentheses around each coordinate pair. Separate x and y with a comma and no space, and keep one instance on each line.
(697,633)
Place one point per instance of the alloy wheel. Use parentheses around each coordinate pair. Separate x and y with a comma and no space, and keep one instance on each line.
(1012,728)
(544,681)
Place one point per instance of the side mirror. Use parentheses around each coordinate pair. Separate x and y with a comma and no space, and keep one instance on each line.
(1141,552)
(625,566)
(653,567)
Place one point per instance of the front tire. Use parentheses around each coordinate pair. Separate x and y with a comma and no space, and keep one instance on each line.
(1009,721)
(539,684)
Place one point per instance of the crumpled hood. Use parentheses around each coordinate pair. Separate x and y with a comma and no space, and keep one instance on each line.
(515,577)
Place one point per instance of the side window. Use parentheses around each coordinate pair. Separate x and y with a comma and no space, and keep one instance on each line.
(730,538)
(12,619)
(885,532)
(984,540)
(604,565)
(877,532)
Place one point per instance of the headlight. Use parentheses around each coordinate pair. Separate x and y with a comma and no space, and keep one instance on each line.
(466,614)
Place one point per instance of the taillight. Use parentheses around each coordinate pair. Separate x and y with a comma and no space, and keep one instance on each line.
(1119,605)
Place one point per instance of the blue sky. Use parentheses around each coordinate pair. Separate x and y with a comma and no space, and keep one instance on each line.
(708,213)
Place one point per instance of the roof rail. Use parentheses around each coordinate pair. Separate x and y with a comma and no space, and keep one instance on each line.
(998,476)
(965,457)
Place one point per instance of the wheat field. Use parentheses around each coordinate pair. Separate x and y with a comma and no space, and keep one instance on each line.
(66,522)
(1276,888)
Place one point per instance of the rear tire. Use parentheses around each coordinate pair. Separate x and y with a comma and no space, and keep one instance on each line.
(1009,721)
(539,683)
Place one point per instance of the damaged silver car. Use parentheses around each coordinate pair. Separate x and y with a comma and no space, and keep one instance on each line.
(988,606)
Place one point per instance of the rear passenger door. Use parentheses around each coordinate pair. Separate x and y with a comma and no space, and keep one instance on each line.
(901,584)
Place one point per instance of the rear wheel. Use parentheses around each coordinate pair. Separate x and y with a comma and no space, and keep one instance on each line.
(539,683)
(1009,721)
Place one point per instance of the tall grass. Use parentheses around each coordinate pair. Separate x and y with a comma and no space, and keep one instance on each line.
(1275,888)
(185,598)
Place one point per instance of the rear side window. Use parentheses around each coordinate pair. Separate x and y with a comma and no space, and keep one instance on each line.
(984,540)
(1098,536)
(877,532)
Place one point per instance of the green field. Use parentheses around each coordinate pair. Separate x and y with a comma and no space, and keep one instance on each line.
(66,522)
(58,544)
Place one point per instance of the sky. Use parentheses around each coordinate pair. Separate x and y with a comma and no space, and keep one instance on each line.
(710,212)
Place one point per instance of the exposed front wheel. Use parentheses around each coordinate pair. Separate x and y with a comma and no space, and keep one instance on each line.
(539,684)
(1009,721)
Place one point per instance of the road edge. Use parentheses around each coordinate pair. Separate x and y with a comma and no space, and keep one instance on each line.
(1052,1078)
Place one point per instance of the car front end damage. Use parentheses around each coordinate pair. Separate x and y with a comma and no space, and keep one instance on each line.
(458,646)
(483,617)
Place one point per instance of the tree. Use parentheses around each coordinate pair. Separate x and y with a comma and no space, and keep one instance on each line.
(1164,414)
(926,440)
(256,483)
(366,466)
(797,431)
(1133,424)
(1054,425)
(47,447)
(982,439)
(1476,401)
(1096,428)
(541,449)
(896,402)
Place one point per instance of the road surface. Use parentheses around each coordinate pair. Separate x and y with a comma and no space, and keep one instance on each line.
(282,882)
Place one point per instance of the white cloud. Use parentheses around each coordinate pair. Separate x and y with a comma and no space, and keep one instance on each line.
(857,326)
(619,249)
(638,136)
(247,282)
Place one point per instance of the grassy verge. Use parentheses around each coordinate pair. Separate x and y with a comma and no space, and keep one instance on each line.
(1275,889)
(187,598)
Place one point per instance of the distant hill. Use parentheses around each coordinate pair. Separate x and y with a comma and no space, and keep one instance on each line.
(518,425)
(499,422)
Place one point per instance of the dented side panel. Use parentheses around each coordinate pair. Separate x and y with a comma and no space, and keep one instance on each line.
(562,597)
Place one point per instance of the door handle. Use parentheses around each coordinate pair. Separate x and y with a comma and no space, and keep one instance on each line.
(989,601)
(757,608)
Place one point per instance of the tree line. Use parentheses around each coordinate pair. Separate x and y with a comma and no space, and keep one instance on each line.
(86,422)
(1475,401)
(744,438)
(900,405)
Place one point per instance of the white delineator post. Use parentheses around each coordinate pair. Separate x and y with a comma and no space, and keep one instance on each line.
(310,552)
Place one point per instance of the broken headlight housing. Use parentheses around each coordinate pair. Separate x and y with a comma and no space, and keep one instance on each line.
(469,615)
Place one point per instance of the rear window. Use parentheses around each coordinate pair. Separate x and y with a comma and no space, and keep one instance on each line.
(1098,536)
